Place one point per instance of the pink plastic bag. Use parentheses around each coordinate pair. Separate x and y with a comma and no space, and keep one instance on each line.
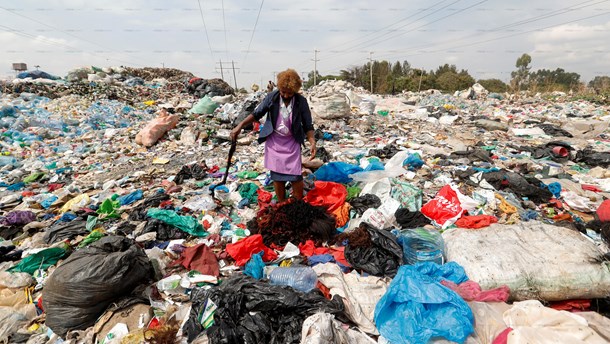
(155,129)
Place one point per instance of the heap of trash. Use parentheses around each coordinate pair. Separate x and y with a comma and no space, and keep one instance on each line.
(469,218)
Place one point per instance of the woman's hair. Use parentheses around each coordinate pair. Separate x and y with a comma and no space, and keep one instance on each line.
(289,80)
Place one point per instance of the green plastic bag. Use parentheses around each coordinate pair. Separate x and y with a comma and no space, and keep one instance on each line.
(109,208)
(91,223)
(33,177)
(248,190)
(408,195)
(185,223)
(41,260)
(205,105)
(247,174)
(352,192)
(92,237)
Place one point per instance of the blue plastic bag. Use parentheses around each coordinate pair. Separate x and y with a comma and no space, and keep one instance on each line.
(131,198)
(554,188)
(374,165)
(255,267)
(337,172)
(416,307)
(413,162)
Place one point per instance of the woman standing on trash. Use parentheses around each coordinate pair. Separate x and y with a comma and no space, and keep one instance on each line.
(288,123)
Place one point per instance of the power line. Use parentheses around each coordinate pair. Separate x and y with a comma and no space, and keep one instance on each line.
(513,35)
(54,43)
(63,31)
(399,21)
(423,25)
(426,24)
(515,24)
(205,28)
(224,24)
(253,30)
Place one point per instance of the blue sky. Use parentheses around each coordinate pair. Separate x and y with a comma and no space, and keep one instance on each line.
(484,36)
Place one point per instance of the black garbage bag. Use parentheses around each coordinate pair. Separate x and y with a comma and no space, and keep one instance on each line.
(363,202)
(473,154)
(375,251)
(248,107)
(60,230)
(164,230)
(386,152)
(323,154)
(81,288)
(546,151)
(9,254)
(553,130)
(197,171)
(593,158)
(252,311)
(139,212)
(410,219)
(519,185)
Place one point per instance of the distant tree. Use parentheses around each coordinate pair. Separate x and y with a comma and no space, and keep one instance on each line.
(520,77)
(494,85)
(547,80)
(600,83)
(319,78)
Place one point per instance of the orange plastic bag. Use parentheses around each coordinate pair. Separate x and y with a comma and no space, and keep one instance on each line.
(327,194)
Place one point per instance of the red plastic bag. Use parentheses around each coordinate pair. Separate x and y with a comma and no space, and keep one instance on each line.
(242,250)
(264,197)
(603,212)
(445,208)
(475,222)
(327,194)
(308,249)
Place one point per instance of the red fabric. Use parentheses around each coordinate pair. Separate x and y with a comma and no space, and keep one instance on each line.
(502,338)
(591,188)
(471,291)
(324,289)
(603,212)
(201,258)
(327,194)
(242,250)
(572,305)
(263,196)
(339,254)
(308,249)
(443,207)
(53,187)
(475,222)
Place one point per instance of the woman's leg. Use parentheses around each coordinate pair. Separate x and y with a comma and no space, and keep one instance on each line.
(280,190)
(297,189)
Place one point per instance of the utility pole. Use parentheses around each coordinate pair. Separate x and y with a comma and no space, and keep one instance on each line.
(420,77)
(371,62)
(222,75)
(227,65)
(234,77)
(315,66)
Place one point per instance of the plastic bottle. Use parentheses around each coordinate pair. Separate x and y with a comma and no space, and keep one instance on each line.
(301,278)
(7,160)
(421,245)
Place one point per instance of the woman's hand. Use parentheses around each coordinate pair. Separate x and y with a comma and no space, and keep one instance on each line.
(313,149)
(235,133)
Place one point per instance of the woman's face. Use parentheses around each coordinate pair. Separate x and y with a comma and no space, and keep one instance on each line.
(286,94)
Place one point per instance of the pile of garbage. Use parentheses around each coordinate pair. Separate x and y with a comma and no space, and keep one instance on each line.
(427,217)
